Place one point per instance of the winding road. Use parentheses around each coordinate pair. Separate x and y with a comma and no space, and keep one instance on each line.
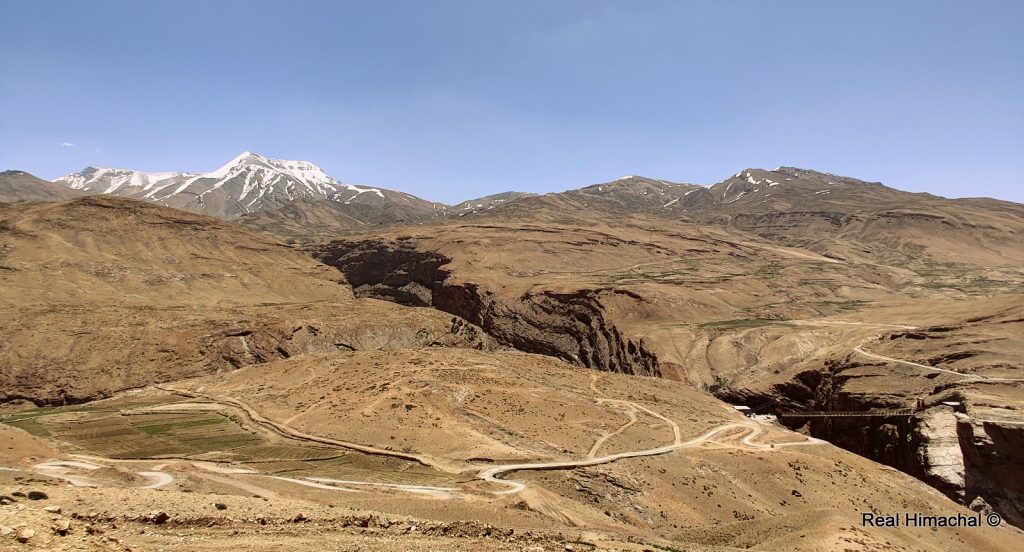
(160,479)
(291,433)
(869,354)
(59,469)
(491,474)
(860,349)
(974,377)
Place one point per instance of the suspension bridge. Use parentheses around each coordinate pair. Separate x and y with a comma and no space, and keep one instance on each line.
(849,414)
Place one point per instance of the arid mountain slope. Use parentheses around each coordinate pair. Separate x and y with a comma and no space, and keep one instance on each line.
(719,307)
(856,220)
(281,377)
(101,294)
(467,407)
(487,202)
(106,249)
(657,283)
(305,220)
(838,216)
(629,195)
(17,186)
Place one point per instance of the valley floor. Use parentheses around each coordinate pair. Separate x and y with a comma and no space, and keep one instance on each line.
(194,465)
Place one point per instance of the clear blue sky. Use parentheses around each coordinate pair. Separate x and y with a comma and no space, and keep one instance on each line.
(451,100)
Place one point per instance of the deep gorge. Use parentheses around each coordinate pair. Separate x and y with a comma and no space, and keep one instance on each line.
(963,459)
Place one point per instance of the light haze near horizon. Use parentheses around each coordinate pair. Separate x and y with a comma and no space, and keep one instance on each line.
(452,100)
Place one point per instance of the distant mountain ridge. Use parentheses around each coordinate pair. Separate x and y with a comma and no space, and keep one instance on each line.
(248,183)
(487,202)
(836,216)
(833,215)
(18,186)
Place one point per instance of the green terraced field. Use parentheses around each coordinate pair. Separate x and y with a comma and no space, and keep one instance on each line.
(119,429)
(376,470)
(285,453)
(129,429)
(742,323)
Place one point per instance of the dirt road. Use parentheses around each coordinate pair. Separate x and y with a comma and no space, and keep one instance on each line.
(869,354)
(291,433)
(490,474)
(160,479)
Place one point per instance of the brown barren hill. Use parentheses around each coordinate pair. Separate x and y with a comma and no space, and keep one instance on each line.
(523,450)
(774,320)
(18,186)
(100,294)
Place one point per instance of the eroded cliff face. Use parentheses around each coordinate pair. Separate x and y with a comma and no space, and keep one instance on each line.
(938,451)
(962,460)
(924,444)
(948,447)
(569,326)
(993,454)
(88,357)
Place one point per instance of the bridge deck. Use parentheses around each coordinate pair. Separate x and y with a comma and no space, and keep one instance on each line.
(848,414)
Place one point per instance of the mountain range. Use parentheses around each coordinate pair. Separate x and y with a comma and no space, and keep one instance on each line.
(299,201)
(532,362)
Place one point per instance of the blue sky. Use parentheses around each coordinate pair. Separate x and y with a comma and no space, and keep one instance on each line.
(451,100)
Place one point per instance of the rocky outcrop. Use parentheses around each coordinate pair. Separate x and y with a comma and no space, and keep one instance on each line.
(924,445)
(964,458)
(569,326)
(262,340)
(993,454)
(928,442)
(938,451)
(121,348)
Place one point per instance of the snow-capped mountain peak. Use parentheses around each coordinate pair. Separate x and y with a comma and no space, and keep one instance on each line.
(250,182)
(109,180)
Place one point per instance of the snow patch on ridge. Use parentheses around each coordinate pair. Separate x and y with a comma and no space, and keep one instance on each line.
(248,177)
(115,179)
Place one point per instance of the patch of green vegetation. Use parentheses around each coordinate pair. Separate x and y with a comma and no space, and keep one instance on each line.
(640,276)
(32,426)
(721,384)
(742,323)
(166,427)
(27,414)
(285,453)
(95,406)
(668,548)
(768,270)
